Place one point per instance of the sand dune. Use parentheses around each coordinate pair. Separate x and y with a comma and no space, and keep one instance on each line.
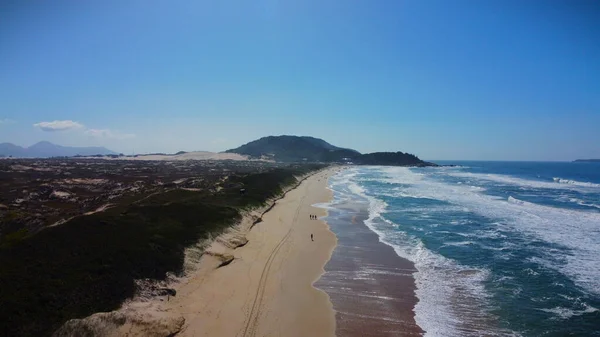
(196,155)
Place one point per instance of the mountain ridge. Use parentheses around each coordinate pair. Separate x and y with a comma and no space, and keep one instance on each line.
(283,148)
(45,149)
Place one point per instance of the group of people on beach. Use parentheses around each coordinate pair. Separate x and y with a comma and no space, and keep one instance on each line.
(312,217)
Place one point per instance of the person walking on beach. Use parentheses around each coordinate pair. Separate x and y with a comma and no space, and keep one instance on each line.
(311,237)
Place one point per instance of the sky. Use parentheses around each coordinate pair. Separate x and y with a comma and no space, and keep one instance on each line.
(475,80)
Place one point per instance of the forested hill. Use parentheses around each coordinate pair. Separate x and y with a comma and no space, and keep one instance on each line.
(294,149)
(302,148)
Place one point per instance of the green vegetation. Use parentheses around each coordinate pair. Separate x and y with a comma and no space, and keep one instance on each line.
(89,264)
(14,237)
(391,158)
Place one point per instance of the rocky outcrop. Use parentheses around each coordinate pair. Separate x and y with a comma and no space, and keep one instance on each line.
(130,323)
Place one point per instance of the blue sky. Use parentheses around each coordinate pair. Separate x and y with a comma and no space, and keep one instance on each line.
(489,80)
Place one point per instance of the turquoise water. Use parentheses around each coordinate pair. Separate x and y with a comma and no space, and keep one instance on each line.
(501,248)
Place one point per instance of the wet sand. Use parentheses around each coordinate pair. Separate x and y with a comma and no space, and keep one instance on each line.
(371,288)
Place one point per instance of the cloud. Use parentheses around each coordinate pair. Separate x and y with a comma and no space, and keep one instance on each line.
(6,121)
(58,125)
(105,133)
(71,125)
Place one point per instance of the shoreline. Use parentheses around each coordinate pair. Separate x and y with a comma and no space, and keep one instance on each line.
(256,279)
(372,288)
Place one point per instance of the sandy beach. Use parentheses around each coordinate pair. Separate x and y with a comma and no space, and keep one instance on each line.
(267,289)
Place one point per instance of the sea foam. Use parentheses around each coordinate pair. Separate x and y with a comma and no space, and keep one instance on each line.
(439,281)
(566,313)
(578,230)
(557,183)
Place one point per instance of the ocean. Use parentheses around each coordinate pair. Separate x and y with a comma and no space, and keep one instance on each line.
(499,248)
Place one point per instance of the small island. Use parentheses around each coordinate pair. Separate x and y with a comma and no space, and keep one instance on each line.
(587,161)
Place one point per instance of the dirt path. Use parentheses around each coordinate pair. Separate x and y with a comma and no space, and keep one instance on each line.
(252,322)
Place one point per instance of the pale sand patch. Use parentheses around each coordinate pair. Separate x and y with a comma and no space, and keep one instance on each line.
(196,155)
(84,181)
(99,209)
(60,194)
(265,288)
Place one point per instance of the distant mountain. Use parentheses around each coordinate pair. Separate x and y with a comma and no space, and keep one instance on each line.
(297,149)
(587,161)
(9,149)
(47,149)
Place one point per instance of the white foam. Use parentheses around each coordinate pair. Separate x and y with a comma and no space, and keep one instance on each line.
(558,183)
(583,203)
(575,182)
(458,244)
(578,230)
(516,201)
(439,281)
(566,313)
(354,188)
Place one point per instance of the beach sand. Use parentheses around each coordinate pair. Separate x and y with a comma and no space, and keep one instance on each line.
(267,289)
